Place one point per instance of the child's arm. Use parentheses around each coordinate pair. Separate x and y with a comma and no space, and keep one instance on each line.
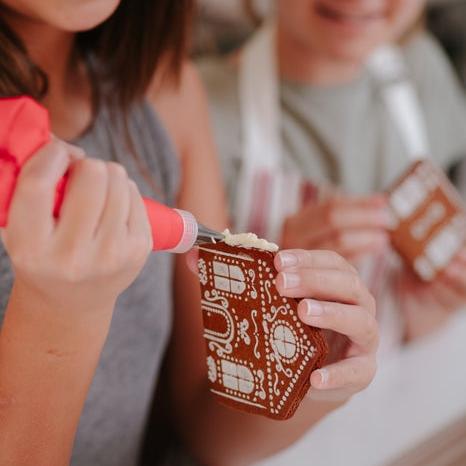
(68,274)
(218,435)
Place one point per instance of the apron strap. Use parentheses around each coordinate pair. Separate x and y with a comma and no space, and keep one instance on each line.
(388,67)
(266,195)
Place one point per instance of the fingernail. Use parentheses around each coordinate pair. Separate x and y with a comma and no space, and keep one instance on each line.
(323,375)
(291,280)
(287,259)
(314,308)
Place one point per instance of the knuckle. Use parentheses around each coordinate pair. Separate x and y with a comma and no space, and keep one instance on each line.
(75,150)
(356,286)
(134,187)
(117,170)
(371,304)
(319,278)
(114,254)
(337,259)
(369,373)
(35,186)
(371,331)
(142,247)
(71,264)
(352,269)
(92,168)
(55,148)
(306,257)
(75,271)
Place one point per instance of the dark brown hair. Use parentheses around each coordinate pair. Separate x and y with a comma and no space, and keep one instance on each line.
(140,37)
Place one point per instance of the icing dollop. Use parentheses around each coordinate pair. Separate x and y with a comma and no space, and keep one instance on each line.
(248,240)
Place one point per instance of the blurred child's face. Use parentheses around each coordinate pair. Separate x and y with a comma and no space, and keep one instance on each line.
(68,15)
(346,29)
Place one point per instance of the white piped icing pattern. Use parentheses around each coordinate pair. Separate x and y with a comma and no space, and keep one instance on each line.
(248,240)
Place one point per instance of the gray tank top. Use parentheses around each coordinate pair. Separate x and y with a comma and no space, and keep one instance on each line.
(114,415)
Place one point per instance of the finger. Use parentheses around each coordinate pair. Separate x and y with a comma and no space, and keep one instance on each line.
(117,204)
(462,255)
(315,238)
(353,373)
(84,199)
(355,243)
(353,215)
(450,294)
(357,323)
(75,152)
(375,200)
(192,258)
(455,276)
(35,189)
(138,220)
(297,258)
(324,284)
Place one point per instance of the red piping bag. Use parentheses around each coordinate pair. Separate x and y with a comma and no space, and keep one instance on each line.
(25,128)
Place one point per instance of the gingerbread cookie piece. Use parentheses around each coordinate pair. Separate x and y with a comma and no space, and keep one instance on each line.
(430,219)
(259,354)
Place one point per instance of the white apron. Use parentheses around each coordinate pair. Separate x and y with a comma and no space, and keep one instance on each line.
(267,195)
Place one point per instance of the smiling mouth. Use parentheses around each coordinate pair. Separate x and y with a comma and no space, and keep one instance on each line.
(334,14)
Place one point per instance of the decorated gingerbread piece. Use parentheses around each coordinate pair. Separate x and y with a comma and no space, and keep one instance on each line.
(430,219)
(259,355)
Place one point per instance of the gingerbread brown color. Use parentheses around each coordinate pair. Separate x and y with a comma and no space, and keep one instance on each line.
(430,219)
(259,354)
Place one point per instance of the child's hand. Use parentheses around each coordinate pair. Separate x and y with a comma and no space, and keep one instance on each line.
(427,306)
(351,226)
(97,247)
(336,299)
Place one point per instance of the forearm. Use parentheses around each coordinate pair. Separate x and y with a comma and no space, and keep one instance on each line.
(221,436)
(47,362)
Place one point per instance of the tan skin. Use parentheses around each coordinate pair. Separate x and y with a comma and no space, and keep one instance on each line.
(326,43)
(69,274)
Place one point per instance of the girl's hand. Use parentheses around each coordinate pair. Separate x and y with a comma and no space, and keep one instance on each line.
(351,226)
(97,247)
(335,298)
(427,306)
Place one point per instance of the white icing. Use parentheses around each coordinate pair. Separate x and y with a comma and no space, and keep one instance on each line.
(249,240)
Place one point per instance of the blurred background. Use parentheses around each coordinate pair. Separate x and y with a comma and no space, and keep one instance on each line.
(415,412)
(224,25)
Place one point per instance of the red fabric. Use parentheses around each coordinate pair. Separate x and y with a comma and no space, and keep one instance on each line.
(24,128)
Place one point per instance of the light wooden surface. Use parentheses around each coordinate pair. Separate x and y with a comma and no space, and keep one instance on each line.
(445,448)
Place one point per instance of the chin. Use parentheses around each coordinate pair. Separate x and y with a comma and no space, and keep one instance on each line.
(357,53)
(82,15)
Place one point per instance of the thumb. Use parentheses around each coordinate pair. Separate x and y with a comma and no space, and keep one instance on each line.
(191,260)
